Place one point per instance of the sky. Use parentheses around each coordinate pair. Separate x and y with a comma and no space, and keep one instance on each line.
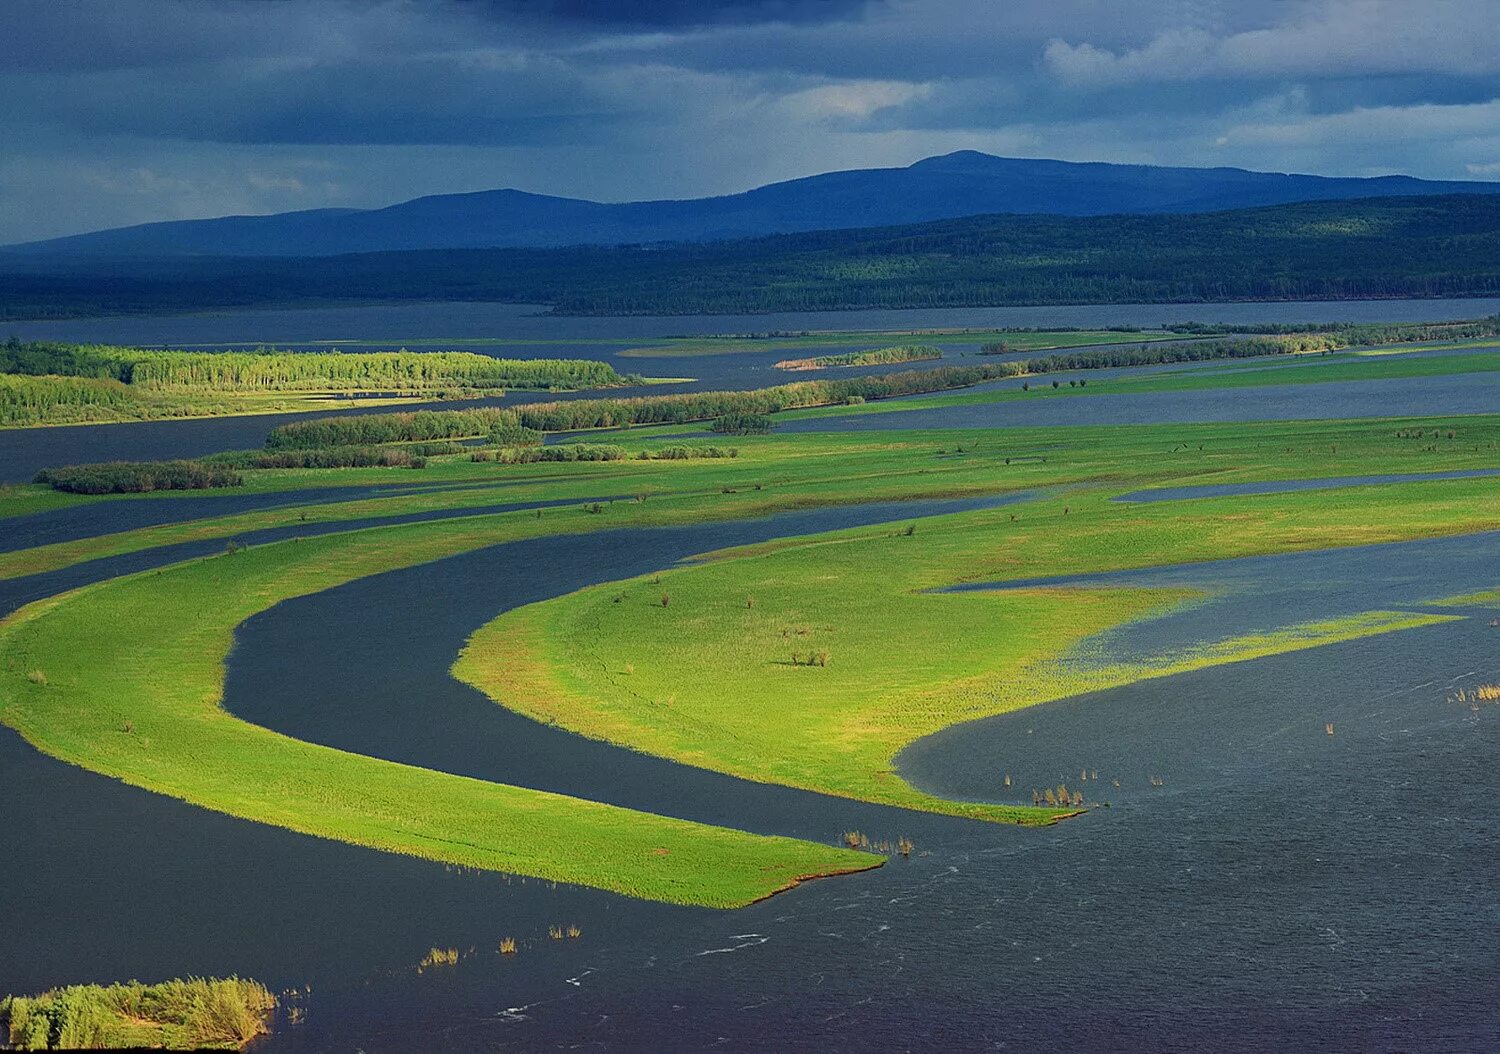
(115,112)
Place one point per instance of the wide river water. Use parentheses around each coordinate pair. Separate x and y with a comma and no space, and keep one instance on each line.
(1283,889)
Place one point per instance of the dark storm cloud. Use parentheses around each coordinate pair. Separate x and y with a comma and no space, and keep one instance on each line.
(127,110)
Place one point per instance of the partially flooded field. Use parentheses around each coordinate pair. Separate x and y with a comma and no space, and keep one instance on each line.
(1237,634)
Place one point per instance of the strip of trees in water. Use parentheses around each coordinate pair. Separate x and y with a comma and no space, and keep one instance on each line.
(271,370)
(580,414)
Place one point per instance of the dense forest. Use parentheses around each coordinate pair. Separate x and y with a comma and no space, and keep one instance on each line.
(1377,247)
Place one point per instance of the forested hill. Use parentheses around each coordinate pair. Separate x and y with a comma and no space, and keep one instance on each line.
(966,183)
(1378,247)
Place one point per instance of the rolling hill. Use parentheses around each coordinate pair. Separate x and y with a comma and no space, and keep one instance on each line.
(945,187)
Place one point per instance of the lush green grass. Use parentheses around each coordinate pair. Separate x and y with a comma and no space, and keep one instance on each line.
(813,662)
(874,465)
(176,1015)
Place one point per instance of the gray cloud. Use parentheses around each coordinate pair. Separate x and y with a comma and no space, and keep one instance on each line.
(121,111)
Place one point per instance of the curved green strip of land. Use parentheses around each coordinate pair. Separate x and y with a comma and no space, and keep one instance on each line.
(125,678)
(813,662)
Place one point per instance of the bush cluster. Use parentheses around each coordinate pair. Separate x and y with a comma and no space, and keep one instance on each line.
(135,477)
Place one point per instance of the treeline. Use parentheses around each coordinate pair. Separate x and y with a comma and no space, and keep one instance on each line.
(137,477)
(1442,246)
(270,370)
(872,357)
(29,400)
(580,414)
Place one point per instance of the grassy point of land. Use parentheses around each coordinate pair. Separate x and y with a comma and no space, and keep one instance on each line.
(813,661)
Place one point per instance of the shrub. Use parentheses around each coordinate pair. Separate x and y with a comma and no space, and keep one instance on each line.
(134,477)
(742,424)
(684,453)
(331,457)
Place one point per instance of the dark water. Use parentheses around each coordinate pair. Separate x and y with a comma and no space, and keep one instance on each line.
(395,324)
(1283,890)
(114,514)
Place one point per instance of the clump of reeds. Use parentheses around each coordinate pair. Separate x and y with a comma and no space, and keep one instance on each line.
(438,957)
(508,946)
(574,931)
(37,677)
(856,840)
(1488,693)
(904,845)
(555,932)
(1007,779)
(666,599)
(1157,781)
(1328,727)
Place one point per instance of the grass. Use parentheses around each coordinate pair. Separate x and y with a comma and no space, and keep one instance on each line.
(176,1015)
(1479,598)
(863,466)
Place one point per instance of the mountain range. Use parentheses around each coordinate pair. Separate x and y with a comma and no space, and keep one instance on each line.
(966,183)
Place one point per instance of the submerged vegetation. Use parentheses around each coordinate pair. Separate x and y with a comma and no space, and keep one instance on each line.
(175,1015)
